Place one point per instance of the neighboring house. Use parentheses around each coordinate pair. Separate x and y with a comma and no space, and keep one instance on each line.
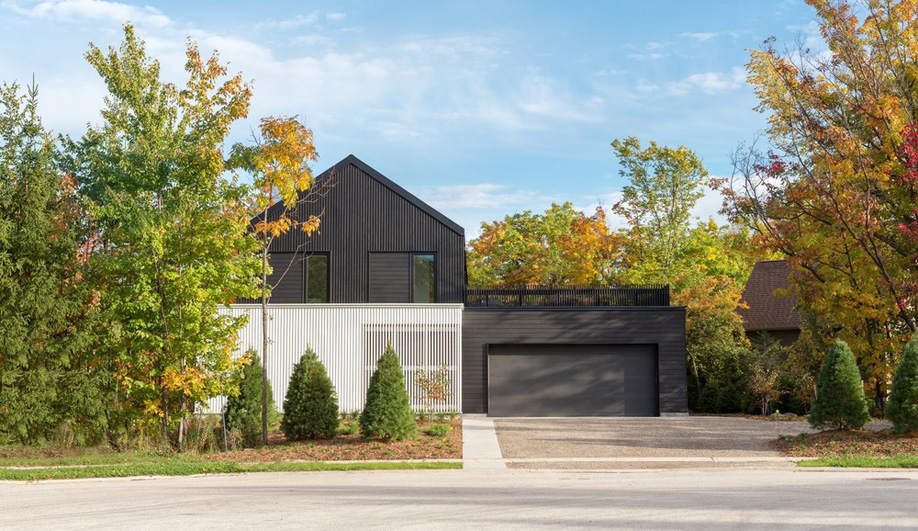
(770,306)
(387,267)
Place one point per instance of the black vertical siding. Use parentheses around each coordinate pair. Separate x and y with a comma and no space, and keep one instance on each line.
(663,327)
(390,277)
(364,212)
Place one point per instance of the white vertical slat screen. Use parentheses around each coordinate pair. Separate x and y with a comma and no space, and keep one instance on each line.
(349,339)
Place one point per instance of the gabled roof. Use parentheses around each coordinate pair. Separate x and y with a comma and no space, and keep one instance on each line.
(388,183)
(767,311)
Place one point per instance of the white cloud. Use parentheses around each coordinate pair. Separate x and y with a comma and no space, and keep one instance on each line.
(335,16)
(296,22)
(707,36)
(74,10)
(476,196)
(709,82)
(645,56)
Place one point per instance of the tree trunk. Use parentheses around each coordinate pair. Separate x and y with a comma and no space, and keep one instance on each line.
(264,345)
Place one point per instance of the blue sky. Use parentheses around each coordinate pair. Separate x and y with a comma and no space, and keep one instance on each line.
(481,108)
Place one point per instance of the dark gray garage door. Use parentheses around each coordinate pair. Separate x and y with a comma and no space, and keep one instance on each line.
(572,380)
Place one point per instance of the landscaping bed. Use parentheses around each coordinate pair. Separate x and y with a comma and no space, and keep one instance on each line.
(862,448)
(353,447)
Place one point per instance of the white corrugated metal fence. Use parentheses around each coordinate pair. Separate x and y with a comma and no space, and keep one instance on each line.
(350,338)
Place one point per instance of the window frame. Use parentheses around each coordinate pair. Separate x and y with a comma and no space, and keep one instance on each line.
(306,268)
(434,277)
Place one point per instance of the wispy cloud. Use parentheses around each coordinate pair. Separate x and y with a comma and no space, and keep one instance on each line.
(709,82)
(76,10)
(476,196)
(707,36)
(335,16)
(296,22)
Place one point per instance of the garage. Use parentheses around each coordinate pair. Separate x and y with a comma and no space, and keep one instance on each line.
(570,361)
(570,380)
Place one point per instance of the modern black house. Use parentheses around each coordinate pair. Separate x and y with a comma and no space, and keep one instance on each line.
(602,353)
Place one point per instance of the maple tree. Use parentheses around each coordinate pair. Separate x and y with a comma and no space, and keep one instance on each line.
(171,228)
(283,183)
(834,192)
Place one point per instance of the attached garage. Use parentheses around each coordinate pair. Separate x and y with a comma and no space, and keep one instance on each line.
(590,361)
(569,380)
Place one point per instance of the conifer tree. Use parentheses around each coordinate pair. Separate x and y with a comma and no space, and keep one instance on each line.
(840,401)
(48,375)
(311,406)
(902,408)
(243,411)
(387,413)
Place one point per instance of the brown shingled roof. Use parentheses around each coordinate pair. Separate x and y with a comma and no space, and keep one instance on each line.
(766,310)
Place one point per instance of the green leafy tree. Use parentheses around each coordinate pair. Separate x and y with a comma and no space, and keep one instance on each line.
(840,401)
(902,408)
(663,185)
(311,405)
(49,373)
(171,228)
(387,413)
(243,411)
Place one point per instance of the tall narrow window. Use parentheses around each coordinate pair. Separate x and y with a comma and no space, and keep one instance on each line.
(423,278)
(315,278)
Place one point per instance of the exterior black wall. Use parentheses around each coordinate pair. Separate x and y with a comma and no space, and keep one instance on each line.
(365,212)
(663,326)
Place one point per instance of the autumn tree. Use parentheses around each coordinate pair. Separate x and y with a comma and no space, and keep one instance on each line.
(171,228)
(560,247)
(278,160)
(49,372)
(834,190)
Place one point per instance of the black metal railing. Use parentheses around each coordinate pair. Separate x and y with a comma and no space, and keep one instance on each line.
(540,296)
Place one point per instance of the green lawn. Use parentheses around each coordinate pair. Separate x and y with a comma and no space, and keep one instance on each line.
(864,461)
(187,467)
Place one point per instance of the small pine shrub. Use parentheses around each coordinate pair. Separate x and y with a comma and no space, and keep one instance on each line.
(902,408)
(311,406)
(840,401)
(387,413)
(437,430)
(243,412)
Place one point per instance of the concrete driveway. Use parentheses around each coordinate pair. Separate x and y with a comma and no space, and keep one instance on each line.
(668,437)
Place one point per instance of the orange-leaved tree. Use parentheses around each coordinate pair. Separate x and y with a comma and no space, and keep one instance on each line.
(279,162)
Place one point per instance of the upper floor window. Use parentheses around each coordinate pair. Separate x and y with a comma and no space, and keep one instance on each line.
(315,278)
(423,278)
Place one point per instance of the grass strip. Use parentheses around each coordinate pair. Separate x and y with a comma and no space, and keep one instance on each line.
(194,468)
(863,461)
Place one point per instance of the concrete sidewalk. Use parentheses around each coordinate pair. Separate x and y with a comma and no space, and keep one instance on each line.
(480,449)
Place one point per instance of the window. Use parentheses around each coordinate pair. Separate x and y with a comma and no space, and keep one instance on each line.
(423,286)
(315,278)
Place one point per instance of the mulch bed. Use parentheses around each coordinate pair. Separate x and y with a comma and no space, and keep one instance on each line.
(351,448)
(838,443)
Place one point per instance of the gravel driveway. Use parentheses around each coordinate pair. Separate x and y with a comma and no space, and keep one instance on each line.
(641,437)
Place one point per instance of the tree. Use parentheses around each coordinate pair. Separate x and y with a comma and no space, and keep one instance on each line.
(311,405)
(49,372)
(840,399)
(835,191)
(243,411)
(170,228)
(764,369)
(902,408)
(663,185)
(387,413)
(279,162)
(560,247)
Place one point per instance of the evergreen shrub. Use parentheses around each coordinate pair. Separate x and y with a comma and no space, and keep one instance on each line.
(840,401)
(311,405)
(243,412)
(902,407)
(387,413)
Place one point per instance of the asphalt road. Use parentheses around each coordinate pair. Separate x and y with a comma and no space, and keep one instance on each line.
(704,499)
